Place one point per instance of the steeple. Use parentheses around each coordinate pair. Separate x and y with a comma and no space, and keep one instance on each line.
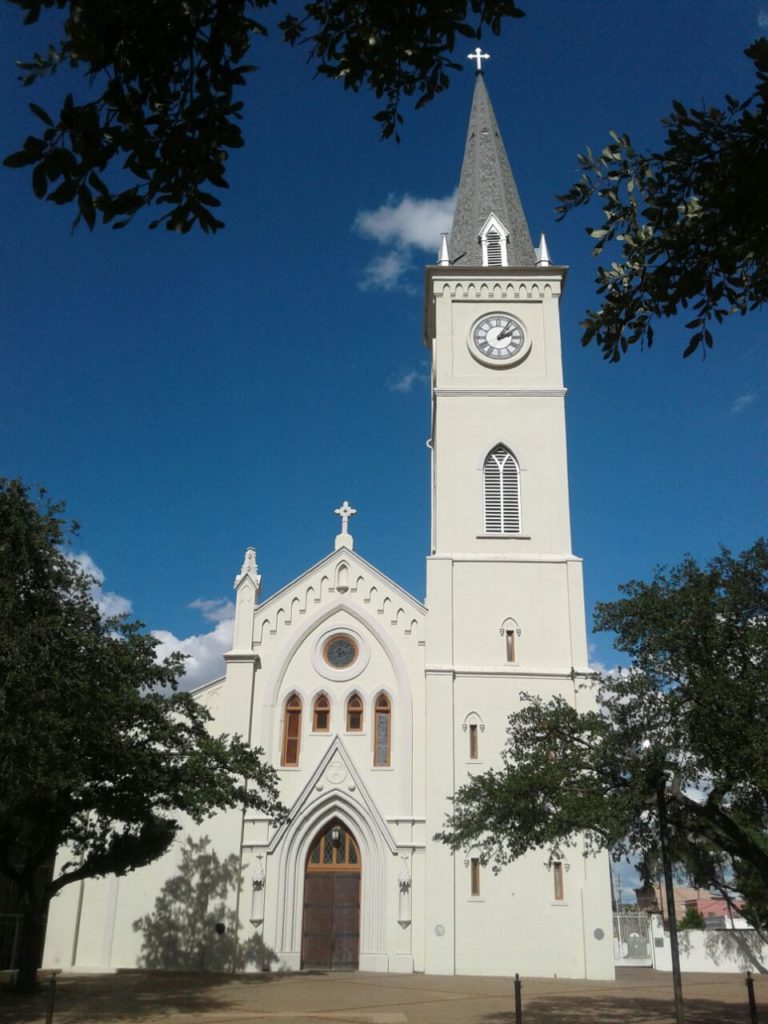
(488,204)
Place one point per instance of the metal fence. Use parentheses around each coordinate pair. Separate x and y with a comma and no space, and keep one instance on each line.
(632,940)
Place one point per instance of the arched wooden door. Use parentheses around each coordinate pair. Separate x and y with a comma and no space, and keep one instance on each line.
(331,928)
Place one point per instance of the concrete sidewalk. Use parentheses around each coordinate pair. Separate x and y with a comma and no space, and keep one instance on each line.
(639,996)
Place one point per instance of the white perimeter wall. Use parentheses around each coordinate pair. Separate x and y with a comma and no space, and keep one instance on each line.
(724,950)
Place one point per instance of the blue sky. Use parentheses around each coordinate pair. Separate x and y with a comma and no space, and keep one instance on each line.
(189,396)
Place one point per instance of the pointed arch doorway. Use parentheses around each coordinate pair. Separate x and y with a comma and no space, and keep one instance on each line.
(331,922)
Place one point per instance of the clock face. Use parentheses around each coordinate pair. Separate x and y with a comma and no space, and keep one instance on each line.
(340,651)
(497,337)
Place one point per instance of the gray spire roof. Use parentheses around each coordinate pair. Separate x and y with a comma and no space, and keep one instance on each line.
(486,187)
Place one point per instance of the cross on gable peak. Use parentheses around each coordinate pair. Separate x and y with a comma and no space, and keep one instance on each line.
(344,512)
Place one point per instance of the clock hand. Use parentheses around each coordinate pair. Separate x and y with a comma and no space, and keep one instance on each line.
(507,332)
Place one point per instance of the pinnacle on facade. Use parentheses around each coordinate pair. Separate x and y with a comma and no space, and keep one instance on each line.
(487,188)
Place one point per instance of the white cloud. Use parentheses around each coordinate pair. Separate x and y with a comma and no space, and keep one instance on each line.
(204,650)
(404,383)
(762,20)
(215,610)
(743,401)
(408,222)
(402,226)
(599,666)
(385,271)
(107,601)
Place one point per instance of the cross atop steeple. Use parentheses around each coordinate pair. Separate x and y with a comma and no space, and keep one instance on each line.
(344,539)
(479,57)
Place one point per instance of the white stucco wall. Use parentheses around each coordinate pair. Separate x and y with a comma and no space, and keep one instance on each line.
(720,951)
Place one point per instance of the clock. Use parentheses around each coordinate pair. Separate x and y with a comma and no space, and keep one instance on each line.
(497,339)
(340,651)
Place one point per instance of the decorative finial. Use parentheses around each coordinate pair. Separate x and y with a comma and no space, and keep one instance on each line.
(443,259)
(344,539)
(249,568)
(542,254)
(479,57)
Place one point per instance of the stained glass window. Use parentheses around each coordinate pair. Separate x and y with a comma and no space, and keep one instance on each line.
(382,738)
(340,651)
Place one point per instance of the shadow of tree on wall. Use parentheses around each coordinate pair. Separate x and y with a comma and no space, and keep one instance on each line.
(740,949)
(738,946)
(192,926)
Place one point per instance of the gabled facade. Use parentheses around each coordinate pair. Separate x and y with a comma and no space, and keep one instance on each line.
(375,708)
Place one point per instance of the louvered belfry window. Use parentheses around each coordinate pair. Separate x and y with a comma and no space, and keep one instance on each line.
(493,249)
(501,478)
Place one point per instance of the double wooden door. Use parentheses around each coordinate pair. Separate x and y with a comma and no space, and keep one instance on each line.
(331,930)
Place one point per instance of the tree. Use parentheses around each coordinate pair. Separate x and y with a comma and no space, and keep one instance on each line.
(686,225)
(692,920)
(161,112)
(99,753)
(693,709)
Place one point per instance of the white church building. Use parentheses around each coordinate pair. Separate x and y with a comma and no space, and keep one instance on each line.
(375,707)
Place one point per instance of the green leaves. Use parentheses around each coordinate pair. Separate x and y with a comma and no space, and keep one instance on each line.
(697,691)
(165,78)
(97,751)
(396,50)
(687,223)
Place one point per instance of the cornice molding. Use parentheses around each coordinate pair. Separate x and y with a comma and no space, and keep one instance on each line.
(500,392)
(520,674)
(483,556)
(498,289)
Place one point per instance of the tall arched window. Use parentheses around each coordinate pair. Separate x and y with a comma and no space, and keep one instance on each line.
(321,714)
(382,731)
(291,732)
(355,713)
(501,480)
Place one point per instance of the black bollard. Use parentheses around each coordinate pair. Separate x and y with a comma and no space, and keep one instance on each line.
(751,997)
(518,1000)
(51,999)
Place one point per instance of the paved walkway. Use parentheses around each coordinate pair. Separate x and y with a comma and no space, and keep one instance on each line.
(639,996)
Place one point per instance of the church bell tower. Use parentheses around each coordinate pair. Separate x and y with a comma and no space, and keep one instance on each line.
(504,591)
